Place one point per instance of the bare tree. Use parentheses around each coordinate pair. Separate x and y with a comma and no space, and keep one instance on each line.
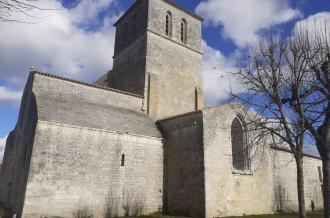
(313,105)
(19,10)
(288,84)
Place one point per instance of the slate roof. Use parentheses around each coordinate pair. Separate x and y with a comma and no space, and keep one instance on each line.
(97,116)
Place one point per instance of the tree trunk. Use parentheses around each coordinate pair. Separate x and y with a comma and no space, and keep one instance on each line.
(300,186)
(323,146)
(326,185)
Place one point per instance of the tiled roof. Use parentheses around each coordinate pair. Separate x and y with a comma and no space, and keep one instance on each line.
(87,84)
(96,116)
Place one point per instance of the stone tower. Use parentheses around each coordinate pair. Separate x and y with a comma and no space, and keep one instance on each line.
(158,55)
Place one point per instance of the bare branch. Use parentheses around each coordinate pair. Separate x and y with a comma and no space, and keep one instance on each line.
(20,11)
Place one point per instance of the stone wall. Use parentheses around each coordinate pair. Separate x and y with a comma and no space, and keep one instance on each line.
(157,23)
(77,146)
(128,71)
(177,66)
(268,187)
(129,60)
(131,26)
(76,151)
(19,144)
(285,186)
(230,192)
(184,170)
(74,167)
(178,72)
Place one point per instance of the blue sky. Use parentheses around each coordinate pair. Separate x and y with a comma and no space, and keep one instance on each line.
(77,41)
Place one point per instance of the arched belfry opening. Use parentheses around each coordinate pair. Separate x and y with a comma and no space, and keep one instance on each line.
(240,150)
(184,31)
(168,27)
(159,39)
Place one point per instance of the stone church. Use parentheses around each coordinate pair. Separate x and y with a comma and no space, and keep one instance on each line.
(139,141)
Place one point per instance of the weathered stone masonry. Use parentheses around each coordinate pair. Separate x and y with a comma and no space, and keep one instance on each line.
(150,63)
(139,140)
(75,160)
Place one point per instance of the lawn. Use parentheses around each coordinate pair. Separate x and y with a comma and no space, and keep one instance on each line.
(158,216)
(284,215)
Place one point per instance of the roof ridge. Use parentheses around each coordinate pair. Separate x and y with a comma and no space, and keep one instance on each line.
(288,150)
(180,115)
(197,111)
(86,84)
(171,2)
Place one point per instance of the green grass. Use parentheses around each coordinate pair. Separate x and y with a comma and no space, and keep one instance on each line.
(158,216)
(284,215)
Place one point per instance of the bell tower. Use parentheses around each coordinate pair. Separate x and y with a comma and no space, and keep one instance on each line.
(158,54)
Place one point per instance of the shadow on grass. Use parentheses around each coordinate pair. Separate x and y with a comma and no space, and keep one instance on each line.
(157,216)
(282,215)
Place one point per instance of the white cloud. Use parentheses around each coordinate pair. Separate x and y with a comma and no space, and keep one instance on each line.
(2,147)
(9,95)
(314,23)
(243,19)
(217,75)
(57,43)
(89,9)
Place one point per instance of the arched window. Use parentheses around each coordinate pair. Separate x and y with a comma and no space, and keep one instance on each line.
(122,163)
(240,149)
(168,28)
(184,31)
